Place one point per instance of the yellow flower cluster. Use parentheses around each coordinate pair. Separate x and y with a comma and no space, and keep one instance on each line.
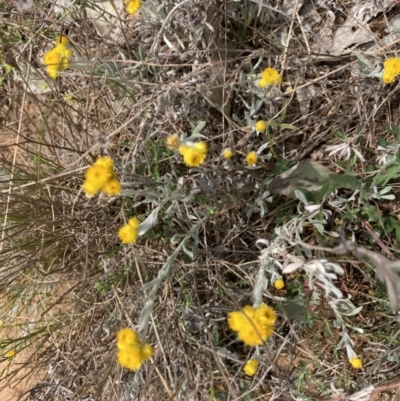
(57,58)
(356,362)
(251,367)
(194,154)
(227,154)
(102,177)
(129,232)
(251,158)
(253,326)
(279,284)
(132,352)
(261,126)
(270,76)
(132,6)
(391,70)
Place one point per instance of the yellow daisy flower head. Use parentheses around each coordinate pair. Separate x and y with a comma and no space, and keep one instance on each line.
(388,77)
(251,367)
(128,234)
(253,326)
(106,162)
(147,351)
(133,357)
(63,51)
(97,175)
(91,189)
(130,358)
(65,55)
(56,60)
(194,158)
(183,149)
(62,40)
(201,147)
(127,337)
(279,284)
(52,58)
(356,362)
(391,70)
(270,76)
(173,142)
(132,352)
(112,188)
(392,65)
(227,153)
(10,353)
(251,158)
(133,6)
(261,126)
(134,222)
(53,71)
(65,64)
(194,154)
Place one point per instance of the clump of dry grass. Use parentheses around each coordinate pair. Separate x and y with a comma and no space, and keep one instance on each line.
(67,283)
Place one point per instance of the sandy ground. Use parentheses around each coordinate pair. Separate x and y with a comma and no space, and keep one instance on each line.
(20,384)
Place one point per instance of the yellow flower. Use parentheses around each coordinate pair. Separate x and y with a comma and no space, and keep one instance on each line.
(356,362)
(101,176)
(173,142)
(227,154)
(251,158)
(127,337)
(65,54)
(57,59)
(97,175)
(62,40)
(253,326)
(112,188)
(10,353)
(261,126)
(391,69)
(251,367)
(134,222)
(52,58)
(63,51)
(133,6)
(392,65)
(183,149)
(201,147)
(133,357)
(270,76)
(193,158)
(91,189)
(132,352)
(388,78)
(279,284)
(194,155)
(105,162)
(129,232)
(53,72)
